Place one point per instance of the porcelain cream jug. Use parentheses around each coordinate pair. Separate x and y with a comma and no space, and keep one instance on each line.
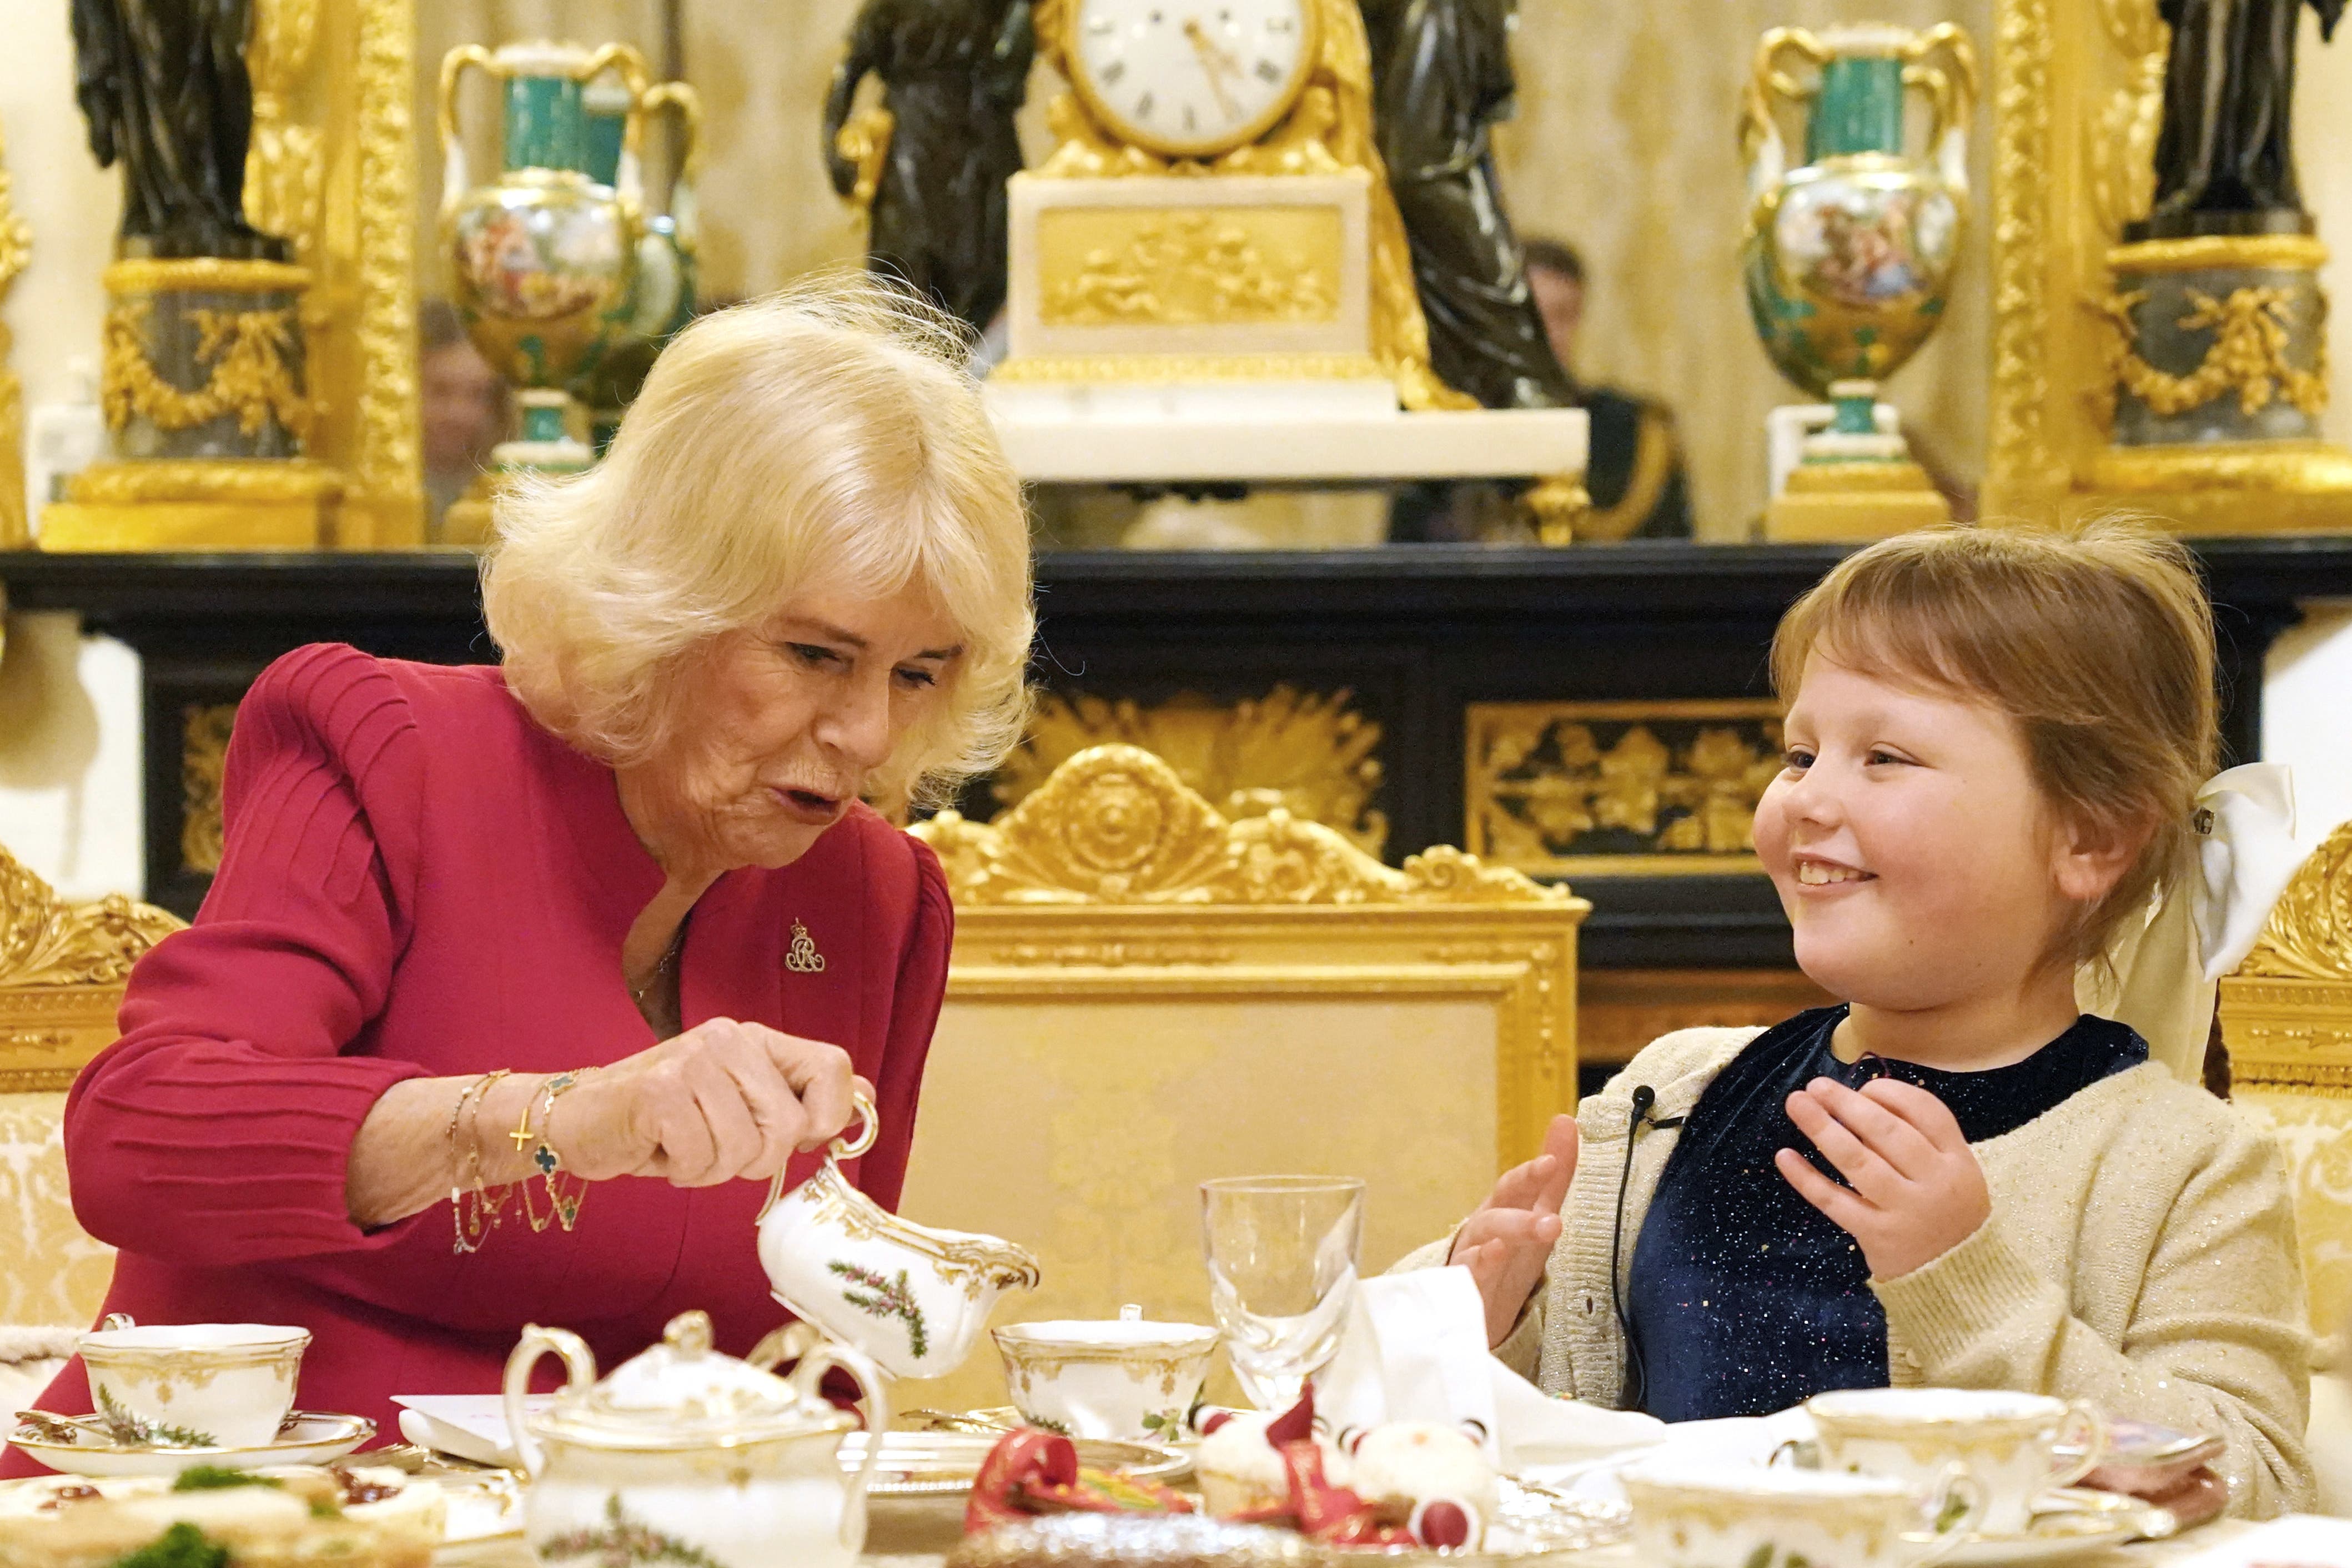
(913,1298)
(686,1455)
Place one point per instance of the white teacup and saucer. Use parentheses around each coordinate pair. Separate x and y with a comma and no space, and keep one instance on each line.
(171,1396)
(2018,1449)
(1688,1514)
(1125,1378)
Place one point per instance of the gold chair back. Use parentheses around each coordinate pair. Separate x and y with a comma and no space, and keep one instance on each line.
(2286,1018)
(1144,993)
(62,968)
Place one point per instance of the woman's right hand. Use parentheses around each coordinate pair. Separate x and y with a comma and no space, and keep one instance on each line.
(723,1101)
(1505,1244)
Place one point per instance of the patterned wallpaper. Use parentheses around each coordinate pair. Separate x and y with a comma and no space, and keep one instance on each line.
(1624,145)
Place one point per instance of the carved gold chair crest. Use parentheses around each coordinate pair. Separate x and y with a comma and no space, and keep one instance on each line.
(62,968)
(1146,994)
(2286,1018)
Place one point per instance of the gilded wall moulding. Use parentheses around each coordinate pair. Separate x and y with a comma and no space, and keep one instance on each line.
(203,754)
(1115,825)
(2077,106)
(1617,789)
(1308,753)
(16,250)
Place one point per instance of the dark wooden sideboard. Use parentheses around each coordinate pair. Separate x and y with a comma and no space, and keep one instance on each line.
(1654,652)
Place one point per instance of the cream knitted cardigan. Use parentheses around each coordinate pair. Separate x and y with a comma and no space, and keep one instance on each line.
(2140,1256)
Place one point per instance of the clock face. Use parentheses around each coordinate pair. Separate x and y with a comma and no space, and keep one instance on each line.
(1191,79)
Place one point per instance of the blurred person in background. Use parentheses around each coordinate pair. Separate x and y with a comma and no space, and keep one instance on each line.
(1634,472)
(1633,468)
(465,407)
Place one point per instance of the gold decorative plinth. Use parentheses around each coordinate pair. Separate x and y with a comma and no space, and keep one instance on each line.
(222,503)
(2264,486)
(1826,502)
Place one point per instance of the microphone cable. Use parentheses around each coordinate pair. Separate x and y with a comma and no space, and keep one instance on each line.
(1637,1383)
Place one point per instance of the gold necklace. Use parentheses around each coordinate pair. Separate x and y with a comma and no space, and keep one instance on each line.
(662,966)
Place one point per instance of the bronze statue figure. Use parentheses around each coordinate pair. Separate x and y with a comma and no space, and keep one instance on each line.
(2225,156)
(1441,74)
(954,73)
(164,87)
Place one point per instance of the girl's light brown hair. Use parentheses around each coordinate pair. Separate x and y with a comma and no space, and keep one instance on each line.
(2097,639)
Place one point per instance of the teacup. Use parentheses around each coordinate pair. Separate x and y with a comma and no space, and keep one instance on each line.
(2006,1442)
(193,1385)
(1122,1378)
(911,1298)
(1694,1515)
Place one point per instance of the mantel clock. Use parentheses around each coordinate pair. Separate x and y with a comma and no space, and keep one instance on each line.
(1191,81)
(1213,229)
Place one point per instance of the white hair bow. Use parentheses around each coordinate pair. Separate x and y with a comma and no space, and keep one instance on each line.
(2160,974)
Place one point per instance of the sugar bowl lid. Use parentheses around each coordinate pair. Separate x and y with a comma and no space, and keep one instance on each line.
(682,1393)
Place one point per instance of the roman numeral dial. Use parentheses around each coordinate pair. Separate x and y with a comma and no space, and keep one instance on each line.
(1190,78)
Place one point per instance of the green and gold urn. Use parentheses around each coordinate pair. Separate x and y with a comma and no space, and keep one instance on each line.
(1848,256)
(545,256)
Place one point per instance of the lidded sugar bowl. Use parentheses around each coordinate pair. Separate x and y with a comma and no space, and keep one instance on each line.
(691,1455)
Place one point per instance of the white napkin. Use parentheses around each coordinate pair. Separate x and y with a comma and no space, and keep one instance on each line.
(467,1426)
(1414,1348)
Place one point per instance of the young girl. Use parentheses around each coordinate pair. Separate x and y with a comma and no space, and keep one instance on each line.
(1994,738)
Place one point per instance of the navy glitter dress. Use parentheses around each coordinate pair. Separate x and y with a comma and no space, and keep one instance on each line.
(1745,1298)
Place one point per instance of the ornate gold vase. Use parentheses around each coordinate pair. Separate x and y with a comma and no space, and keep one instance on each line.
(544,258)
(207,409)
(1849,255)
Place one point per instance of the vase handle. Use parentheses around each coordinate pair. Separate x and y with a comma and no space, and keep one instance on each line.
(1762,147)
(453,176)
(1951,89)
(688,103)
(628,181)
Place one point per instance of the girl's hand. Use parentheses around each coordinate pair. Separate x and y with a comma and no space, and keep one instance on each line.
(721,1102)
(1506,1242)
(1918,1189)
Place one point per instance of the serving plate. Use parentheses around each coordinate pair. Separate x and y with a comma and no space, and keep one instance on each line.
(2067,1523)
(82,1446)
(945,1464)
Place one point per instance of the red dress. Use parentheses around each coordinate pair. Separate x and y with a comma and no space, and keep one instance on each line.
(419,881)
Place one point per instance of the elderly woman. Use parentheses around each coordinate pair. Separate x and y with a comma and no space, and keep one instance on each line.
(612,906)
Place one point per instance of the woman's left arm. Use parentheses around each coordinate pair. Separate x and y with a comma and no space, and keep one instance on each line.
(2214,1342)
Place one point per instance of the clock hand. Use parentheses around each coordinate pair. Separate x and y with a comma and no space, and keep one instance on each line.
(1212,59)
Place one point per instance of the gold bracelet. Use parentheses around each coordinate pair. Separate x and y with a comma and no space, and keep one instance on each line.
(475,1214)
(562,1203)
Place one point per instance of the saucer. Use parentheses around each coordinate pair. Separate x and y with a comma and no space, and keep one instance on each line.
(82,1446)
(2069,1522)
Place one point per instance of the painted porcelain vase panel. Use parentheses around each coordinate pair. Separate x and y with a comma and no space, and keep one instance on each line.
(687,1456)
(1848,257)
(913,1298)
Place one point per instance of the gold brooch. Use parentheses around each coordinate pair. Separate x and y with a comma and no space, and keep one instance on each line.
(802,957)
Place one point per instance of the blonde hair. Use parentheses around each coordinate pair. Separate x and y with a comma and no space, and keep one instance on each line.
(2097,639)
(824,436)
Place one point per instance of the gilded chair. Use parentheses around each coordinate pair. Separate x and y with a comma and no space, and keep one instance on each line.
(62,968)
(2286,1018)
(1144,993)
